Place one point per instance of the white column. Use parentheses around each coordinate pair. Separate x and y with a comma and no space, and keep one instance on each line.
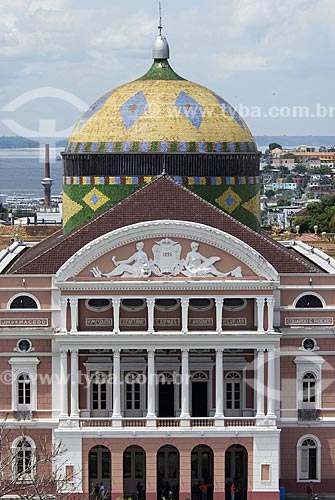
(151,314)
(63,306)
(219,306)
(74,384)
(260,383)
(260,314)
(116,315)
(271,383)
(74,314)
(63,384)
(151,414)
(116,385)
(271,305)
(219,384)
(184,315)
(185,385)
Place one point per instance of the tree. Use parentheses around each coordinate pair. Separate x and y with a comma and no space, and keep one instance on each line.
(33,469)
(322,170)
(321,214)
(299,168)
(269,193)
(274,145)
(284,171)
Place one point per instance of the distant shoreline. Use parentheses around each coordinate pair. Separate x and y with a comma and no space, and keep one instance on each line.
(10,142)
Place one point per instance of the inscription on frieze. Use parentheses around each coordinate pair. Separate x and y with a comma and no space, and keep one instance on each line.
(234,322)
(313,321)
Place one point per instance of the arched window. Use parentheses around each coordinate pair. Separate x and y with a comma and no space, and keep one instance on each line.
(24,459)
(23,389)
(309,459)
(309,388)
(199,376)
(309,302)
(23,302)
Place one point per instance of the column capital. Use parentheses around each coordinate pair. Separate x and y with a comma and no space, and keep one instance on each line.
(261,350)
(73,300)
(151,350)
(270,300)
(184,301)
(64,300)
(260,300)
(74,351)
(116,351)
(219,350)
(151,301)
(219,301)
(116,301)
(184,350)
(63,351)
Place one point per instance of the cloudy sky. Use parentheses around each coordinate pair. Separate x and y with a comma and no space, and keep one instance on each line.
(266,57)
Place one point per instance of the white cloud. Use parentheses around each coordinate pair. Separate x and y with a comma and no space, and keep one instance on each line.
(88,47)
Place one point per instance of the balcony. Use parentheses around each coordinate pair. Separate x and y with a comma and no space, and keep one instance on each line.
(168,423)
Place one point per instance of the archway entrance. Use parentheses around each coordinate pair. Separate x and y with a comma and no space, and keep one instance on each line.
(134,473)
(202,467)
(236,471)
(99,471)
(168,473)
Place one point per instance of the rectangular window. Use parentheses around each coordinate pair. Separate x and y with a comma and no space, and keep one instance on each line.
(105,465)
(194,465)
(139,465)
(127,465)
(93,465)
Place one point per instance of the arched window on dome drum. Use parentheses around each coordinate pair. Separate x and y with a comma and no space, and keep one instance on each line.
(309,301)
(23,302)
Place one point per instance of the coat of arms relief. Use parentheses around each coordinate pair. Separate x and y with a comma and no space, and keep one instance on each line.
(167,262)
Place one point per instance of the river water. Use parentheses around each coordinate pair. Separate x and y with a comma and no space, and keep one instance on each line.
(21,172)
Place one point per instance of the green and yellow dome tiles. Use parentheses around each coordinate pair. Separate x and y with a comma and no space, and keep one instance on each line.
(161,113)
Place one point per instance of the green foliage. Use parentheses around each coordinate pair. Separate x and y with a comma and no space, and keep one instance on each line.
(274,145)
(320,214)
(300,169)
(283,202)
(269,193)
(284,170)
(322,170)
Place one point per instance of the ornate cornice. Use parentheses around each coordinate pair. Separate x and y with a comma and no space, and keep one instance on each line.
(146,286)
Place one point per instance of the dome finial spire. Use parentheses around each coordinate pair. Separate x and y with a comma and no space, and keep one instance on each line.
(160,27)
(161,49)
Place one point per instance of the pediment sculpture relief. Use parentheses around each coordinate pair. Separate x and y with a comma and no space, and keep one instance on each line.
(166,262)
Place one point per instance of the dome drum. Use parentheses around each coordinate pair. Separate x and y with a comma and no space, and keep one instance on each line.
(190,164)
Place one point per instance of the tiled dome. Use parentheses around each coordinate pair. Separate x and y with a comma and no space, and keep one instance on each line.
(160,112)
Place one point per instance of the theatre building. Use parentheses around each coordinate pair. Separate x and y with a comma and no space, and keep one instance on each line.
(162,339)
